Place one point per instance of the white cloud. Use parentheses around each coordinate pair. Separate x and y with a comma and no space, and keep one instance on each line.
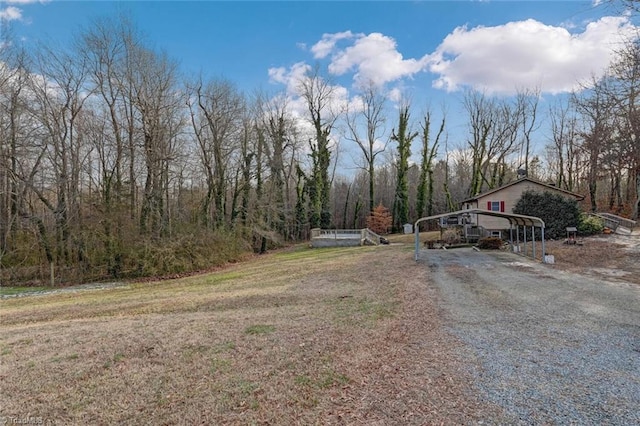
(10,13)
(290,78)
(379,145)
(296,104)
(328,42)
(375,58)
(526,55)
(395,94)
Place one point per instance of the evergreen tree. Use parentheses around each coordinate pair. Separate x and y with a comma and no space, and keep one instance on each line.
(556,211)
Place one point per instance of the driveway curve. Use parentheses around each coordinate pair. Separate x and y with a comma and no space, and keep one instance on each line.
(547,346)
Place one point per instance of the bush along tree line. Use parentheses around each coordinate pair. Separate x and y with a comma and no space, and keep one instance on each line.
(113,163)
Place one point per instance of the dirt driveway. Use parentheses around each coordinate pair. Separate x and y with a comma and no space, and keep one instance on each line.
(549,346)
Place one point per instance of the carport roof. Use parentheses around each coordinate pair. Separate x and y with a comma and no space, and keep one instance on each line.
(514,219)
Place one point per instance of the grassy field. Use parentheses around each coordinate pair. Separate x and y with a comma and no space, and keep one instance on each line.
(300,336)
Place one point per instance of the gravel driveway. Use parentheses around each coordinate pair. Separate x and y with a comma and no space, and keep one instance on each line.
(548,346)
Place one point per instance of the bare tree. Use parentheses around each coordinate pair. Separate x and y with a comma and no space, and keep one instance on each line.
(493,129)
(625,91)
(217,110)
(104,47)
(108,47)
(428,154)
(564,151)
(318,94)
(60,95)
(23,147)
(366,128)
(527,107)
(247,154)
(595,108)
(13,118)
(278,140)
(156,104)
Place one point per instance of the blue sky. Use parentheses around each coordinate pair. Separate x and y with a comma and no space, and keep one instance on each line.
(429,50)
(242,40)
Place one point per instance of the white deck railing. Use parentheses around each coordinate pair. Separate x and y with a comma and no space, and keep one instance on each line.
(342,234)
(612,221)
(369,235)
(335,233)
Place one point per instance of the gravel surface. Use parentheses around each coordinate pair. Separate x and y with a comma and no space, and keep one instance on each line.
(548,346)
(70,289)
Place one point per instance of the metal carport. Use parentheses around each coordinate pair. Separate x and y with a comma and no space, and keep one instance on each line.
(514,219)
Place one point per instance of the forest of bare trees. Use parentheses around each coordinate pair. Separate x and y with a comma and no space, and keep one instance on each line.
(114,163)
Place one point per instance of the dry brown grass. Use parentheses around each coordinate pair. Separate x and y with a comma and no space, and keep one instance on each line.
(410,238)
(304,336)
(602,256)
(611,257)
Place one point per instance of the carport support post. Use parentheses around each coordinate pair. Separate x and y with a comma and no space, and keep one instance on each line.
(417,237)
(524,243)
(416,230)
(511,234)
(544,253)
(533,241)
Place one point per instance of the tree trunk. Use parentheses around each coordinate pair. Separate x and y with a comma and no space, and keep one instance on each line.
(371,186)
(636,205)
(593,195)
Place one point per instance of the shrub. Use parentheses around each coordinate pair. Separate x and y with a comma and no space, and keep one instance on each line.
(490,243)
(188,253)
(589,225)
(556,211)
(451,236)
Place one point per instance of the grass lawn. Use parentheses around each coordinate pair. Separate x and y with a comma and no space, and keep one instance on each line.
(300,336)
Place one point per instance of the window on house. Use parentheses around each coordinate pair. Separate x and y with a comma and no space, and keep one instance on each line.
(495,206)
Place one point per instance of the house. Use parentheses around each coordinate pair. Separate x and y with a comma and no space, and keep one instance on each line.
(504,199)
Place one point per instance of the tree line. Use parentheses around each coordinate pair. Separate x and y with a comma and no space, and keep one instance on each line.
(115,164)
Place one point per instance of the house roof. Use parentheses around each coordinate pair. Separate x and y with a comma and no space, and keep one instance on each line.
(518,181)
